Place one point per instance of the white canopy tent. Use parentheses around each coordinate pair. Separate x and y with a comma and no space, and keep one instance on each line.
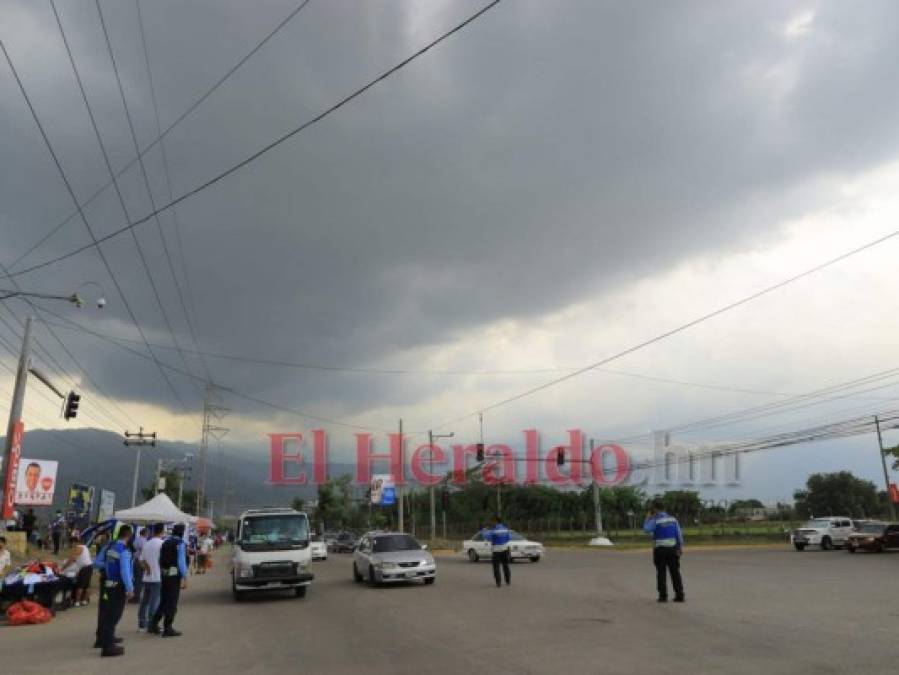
(160,509)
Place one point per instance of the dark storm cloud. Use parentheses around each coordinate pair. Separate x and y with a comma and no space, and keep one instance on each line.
(548,153)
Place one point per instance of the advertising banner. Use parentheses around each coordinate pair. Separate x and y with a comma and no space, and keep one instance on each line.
(36,482)
(107,505)
(81,503)
(11,471)
(894,493)
(383,490)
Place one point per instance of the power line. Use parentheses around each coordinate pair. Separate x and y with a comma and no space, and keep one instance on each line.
(109,168)
(230,390)
(270,146)
(676,330)
(168,183)
(163,134)
(85,221)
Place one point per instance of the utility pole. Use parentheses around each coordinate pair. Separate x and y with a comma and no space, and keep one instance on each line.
(212,412)
(398,479)
(431,437)
(140,440)
(499,486)
(14,430)
(597,503)
(886,473)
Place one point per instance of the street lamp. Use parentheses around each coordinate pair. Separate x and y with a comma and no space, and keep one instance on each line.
(431,437)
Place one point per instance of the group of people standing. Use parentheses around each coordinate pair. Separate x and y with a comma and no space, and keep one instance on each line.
(152,576)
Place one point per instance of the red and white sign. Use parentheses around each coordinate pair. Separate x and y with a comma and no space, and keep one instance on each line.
(9,489)
(36,482)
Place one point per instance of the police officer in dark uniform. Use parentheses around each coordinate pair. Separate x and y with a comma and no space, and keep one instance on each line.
(173,568)
(116,590)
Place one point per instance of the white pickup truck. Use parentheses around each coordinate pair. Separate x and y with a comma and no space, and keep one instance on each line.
(828,533)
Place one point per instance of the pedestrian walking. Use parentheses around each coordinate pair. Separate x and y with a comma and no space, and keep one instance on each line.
(668,546)
(149,560)
(499,536)
(173,572)
(117,589)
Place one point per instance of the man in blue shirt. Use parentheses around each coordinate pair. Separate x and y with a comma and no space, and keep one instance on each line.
(668,545)
(173,572)
(499,536)
(116,589)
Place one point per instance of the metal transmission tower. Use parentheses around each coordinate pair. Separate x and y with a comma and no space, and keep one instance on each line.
(213,412)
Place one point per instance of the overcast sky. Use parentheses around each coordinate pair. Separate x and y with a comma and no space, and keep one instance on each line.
(553,184)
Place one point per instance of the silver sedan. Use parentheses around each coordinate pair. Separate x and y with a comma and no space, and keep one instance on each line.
(390,557)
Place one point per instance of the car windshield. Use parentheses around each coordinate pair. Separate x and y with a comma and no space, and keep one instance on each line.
(515,536)
(872,528)
(263,529)
(818,522)
(395,542)
(346,537)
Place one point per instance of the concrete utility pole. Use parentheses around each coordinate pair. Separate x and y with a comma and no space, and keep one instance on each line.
(886,473)
(13,428)
(140,440)
(597,503)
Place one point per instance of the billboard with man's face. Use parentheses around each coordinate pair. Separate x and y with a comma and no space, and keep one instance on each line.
(35,482)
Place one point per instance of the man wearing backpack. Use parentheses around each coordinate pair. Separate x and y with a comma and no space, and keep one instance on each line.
(173,571)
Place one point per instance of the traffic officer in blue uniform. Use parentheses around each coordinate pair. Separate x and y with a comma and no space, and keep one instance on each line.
(668,545)
(499,536)
(173,568)
(116,590)
(99,564)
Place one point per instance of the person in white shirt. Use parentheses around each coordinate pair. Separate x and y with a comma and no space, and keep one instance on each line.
(5,558)
(206,546)
(78,566)
(149,560)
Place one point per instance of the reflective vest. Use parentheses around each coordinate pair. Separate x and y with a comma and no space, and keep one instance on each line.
(499,536)
(113,569)
(665,532)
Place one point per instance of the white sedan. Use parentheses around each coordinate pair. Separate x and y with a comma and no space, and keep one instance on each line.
(318,549)
(520,548)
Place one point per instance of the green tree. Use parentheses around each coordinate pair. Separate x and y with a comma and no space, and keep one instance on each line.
(837,494)
(739,504)
(335,502)
(298,504)
(684,504)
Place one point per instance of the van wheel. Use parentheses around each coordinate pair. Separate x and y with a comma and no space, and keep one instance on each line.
(300,591)
(356,576)
(472,555)
(826,544)
(799,547)
(237,595)
(430,580)
(371,575)
(851,549)
(536,558)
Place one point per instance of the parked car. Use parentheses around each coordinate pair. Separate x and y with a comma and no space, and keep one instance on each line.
(330,539)
(828,533)
(520,548)
(390,557)
(345,542)
(874,536)
(319,548)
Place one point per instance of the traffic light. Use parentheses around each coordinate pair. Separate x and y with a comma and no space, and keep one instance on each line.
(480,447)
(560,456)
(71,409)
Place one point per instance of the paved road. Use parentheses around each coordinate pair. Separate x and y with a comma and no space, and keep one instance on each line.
(748,611)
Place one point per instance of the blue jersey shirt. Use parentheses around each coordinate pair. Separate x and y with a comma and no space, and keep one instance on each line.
(499,536)
(665,530)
